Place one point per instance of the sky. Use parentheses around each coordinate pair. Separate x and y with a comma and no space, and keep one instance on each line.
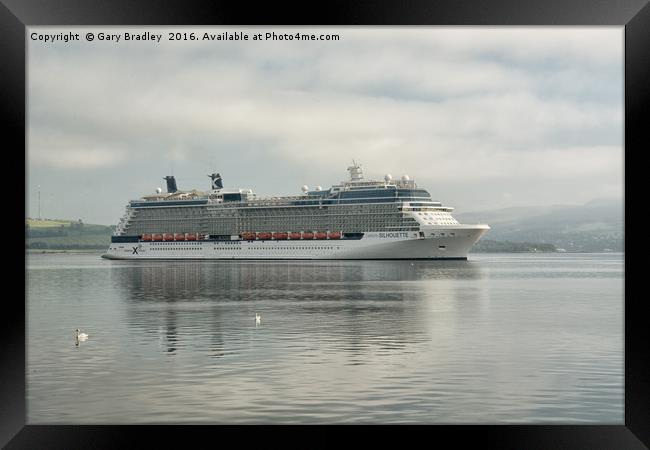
(482,117)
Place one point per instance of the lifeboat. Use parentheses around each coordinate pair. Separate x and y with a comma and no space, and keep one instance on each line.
(264,236)
(157,237)
(168,237)
(179,237)
(200,237)
(308,235)
(248,236)
(294,235)
(334,235)
(190,237)
(280,236)
(321,235)
(146,237)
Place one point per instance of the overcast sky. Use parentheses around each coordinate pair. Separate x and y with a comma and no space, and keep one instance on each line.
(481,117)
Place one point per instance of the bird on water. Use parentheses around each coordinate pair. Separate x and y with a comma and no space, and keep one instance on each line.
(258,319)
(80,336)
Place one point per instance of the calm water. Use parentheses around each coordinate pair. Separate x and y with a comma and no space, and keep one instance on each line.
(497,339)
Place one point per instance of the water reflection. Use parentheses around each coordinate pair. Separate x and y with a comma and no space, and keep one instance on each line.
(361,305)
(182,280)
(502,339)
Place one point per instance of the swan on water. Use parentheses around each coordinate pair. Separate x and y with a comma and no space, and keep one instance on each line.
(80,336)
(258,318)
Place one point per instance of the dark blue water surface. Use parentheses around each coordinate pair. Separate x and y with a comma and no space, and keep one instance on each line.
(506,338)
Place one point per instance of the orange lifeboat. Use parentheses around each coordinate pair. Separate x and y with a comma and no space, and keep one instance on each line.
(321,235)
(191,237)
(247,236)
(280,236)
(294,235)
(264,236)
(168,237)
(308,235)
(146,237)
(334,235)
(179,237)
(157,237)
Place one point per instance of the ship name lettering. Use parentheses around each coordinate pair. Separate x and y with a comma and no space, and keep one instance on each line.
(393,235)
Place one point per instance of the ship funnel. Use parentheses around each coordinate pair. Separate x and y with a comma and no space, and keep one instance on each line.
(217,183)
(171,184)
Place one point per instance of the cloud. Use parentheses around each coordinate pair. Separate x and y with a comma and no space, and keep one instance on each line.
(74,152)
(82,158)
(507,105)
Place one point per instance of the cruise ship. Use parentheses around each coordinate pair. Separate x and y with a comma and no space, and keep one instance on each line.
(355,219)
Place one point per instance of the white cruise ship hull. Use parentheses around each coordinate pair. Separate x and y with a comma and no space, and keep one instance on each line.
(452,242)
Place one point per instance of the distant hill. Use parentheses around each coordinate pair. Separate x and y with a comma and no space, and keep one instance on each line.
(595,226)
(58,234)
(490,246)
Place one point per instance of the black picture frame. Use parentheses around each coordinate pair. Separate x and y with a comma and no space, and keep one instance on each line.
(16,15)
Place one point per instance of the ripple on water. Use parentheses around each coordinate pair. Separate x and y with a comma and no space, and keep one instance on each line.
(498,339)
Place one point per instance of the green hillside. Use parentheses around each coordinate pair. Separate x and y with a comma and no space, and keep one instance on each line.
(46,223)
(59,234)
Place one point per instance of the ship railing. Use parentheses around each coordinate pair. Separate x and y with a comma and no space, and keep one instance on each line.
(273,201)
(124,221)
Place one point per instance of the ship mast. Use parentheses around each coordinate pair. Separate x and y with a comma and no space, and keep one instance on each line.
(356,172)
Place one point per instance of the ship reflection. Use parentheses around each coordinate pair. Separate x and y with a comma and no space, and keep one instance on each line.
(365,304)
